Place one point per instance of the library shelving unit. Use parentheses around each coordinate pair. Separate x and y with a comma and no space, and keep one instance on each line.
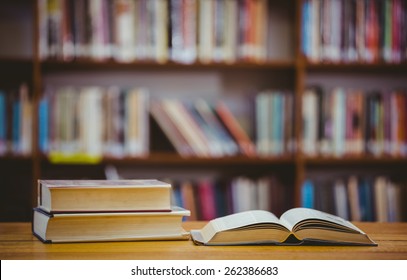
(286,68)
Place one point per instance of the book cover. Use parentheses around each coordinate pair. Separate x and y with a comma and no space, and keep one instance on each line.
(57,196)
(106,227)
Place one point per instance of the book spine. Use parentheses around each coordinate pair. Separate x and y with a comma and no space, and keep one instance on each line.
(206,30)
(171,130)
(307,194)
(43,125)
(235,129)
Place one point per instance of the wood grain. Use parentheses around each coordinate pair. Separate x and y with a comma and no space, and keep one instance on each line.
(17,242)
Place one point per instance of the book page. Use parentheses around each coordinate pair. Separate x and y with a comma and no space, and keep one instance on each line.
(237,220)
(131,183)
(293,216)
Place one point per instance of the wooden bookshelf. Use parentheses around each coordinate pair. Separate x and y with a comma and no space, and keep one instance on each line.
(287,68)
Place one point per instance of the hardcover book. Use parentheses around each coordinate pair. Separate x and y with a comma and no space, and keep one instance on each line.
(57,196)
(295,227)
(114,226)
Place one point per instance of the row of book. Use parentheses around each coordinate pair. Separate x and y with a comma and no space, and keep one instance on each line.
(106,210)
(211,198)
(200,129)
(358,198)
(354,31)
(274,123)
(89,122)
(16,121)
(352,122)
(154,30)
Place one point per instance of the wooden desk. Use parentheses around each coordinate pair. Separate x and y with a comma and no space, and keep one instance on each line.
(17,242)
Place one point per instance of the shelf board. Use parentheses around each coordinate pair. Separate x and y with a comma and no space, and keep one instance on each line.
(166,159)
(87,64)
(356,66)
(11,157)
(6,60)
(355,160)
(169,158)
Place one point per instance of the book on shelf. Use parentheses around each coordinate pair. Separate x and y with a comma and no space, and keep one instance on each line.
(16,120)
(156,30)
(109,122)
(61,196)
(343,122)
(114,226)
(274,118)
(351,31)
(358,198)
(123,29)
(246,145)
(171,130)
(199,129)
(196,139)
(297,226)
(209,198)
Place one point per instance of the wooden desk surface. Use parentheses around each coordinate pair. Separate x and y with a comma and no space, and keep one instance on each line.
(17,242)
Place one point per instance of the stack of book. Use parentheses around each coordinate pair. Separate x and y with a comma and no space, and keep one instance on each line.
(106,210)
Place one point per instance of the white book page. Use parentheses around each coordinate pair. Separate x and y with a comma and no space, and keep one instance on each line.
(293,216)
(236,221)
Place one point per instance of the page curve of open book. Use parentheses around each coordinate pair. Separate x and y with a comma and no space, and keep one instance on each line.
(237,220)
(295,216)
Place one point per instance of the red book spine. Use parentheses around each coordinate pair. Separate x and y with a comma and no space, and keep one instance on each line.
(240,136)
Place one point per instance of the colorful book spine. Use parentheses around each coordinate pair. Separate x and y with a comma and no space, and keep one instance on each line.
(43,125)
(3,123)
(364,31)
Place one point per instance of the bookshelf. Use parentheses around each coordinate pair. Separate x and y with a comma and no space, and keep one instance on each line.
(285,68)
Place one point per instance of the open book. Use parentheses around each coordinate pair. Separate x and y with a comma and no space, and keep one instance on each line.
(296,226)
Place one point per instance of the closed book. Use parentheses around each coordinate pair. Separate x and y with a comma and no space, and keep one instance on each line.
(117,226)
(58,196)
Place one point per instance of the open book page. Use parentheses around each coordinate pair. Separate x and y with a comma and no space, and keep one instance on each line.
(293,216)
(238,220)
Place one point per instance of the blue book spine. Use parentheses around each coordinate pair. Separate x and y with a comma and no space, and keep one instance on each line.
(43,129)
(178,196)
(365,201)
(305,28)
(307,194)
(280,123)
(369,201)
